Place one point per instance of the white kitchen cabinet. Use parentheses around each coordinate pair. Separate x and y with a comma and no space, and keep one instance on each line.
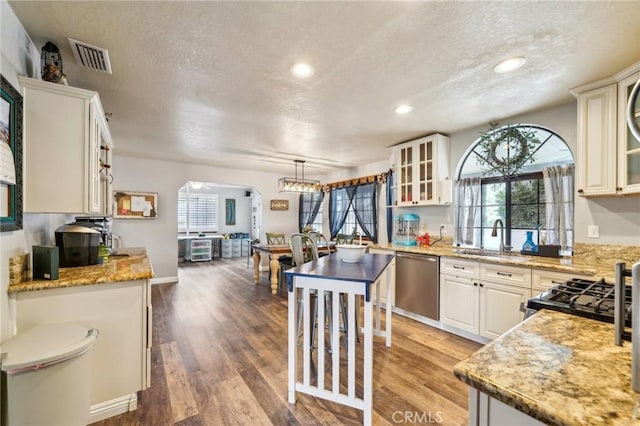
(459,294)
(502,290)
(383,280)
(608,157)
(422,170)
(487,411)
(67,150)
(542,280)
(482,298)
(628,145)
(121,356)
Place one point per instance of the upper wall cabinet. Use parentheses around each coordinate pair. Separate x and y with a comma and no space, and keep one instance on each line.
(67,150)
(422,171)
(608,154)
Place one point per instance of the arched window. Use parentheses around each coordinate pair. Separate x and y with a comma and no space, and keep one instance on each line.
(522,175)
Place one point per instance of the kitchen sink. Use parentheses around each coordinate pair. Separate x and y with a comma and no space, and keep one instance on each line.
(489,254)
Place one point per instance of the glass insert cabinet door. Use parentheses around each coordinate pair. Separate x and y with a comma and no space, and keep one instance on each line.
(629,144)
(416,173)
(405,184)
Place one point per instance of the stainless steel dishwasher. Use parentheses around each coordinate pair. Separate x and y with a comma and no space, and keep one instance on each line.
(417,284)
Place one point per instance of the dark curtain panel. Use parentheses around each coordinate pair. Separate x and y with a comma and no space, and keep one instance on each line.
(309,207)
(364,206)
(390,201)
(339,203)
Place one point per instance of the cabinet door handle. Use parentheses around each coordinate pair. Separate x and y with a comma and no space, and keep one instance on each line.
(458,267)
(481,285)
(504,274)
(580,191)
(475,284)
(556,282)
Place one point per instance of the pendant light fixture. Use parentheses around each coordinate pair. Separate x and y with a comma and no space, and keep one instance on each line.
(288,184)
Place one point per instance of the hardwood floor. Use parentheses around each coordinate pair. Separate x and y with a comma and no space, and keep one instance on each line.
(219,357)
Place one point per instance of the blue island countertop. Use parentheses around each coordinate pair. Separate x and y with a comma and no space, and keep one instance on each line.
(331,267)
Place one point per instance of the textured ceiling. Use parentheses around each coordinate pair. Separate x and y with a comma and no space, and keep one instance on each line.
(209,82)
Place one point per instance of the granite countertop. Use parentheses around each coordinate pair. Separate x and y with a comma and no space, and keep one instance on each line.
(597,260)
(560,369)
(127,265)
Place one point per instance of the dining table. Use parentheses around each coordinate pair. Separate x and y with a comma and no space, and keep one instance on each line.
(275,252)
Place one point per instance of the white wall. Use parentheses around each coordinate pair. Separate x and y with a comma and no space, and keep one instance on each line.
(18,56)
(165,178)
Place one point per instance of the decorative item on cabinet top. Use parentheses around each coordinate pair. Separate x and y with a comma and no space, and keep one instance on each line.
(135,205)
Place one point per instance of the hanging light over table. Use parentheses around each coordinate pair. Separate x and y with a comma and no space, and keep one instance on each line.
(288,184)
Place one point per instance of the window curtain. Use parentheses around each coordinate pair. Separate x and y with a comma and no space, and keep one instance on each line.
(390,202)
(339,203)
(309,207)
(467,204)
(558,190)
(364,206)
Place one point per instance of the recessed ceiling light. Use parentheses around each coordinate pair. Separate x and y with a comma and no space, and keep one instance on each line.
(403,109)
(302,70)
(510,64)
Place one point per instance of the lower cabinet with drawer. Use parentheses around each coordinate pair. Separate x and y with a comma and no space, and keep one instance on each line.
(502,291)
(482,298)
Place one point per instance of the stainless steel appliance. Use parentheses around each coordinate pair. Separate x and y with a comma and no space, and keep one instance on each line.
(101,224)
(585,298)
(417,284)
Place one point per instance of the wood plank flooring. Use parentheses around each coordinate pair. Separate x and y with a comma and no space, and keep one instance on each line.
(219,357)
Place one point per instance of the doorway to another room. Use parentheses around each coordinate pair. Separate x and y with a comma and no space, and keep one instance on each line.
(216,221)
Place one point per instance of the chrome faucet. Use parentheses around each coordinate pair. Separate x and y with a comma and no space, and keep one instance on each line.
(494,233)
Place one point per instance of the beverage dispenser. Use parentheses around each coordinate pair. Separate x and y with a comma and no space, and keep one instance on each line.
(405,229)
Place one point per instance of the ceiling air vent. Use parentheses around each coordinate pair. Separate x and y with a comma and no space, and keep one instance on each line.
(92,57)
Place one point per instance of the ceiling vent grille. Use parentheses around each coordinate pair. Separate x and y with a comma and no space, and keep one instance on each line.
(92,57)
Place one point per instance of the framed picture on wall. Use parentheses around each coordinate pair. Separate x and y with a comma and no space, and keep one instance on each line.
(230,211)
(10,157)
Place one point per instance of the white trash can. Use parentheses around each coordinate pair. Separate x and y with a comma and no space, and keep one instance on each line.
(48,371)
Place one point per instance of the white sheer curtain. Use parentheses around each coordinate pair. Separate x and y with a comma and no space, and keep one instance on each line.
(558,190)
(466,219)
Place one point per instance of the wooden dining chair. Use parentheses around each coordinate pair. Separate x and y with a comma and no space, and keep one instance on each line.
(276,238)
(344,239)
(321,243)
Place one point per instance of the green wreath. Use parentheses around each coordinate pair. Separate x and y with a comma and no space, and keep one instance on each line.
(517,138)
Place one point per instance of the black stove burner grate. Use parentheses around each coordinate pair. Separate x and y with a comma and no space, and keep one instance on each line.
(589,299)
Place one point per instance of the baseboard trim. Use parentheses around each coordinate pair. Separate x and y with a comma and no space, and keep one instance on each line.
(164,280)
(114,407)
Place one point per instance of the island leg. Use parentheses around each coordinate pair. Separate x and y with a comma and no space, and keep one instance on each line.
(275,268)
(256,266)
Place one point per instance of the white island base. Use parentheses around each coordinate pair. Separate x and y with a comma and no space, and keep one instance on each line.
(329,275)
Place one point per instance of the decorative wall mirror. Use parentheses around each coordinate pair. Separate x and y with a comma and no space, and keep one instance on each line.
(11,134)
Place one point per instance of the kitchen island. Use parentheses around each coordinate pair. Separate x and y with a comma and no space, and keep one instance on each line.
(331,277)
(554,368)
(115,298)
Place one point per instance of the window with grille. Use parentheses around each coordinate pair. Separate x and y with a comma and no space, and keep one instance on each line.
(197,212)
(519,200)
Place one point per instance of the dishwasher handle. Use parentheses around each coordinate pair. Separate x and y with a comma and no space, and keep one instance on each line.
(427,257)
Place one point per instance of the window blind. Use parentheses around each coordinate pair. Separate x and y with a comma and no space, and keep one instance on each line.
(197,212)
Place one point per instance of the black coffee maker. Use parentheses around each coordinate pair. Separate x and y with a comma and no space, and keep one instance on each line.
(101,224)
